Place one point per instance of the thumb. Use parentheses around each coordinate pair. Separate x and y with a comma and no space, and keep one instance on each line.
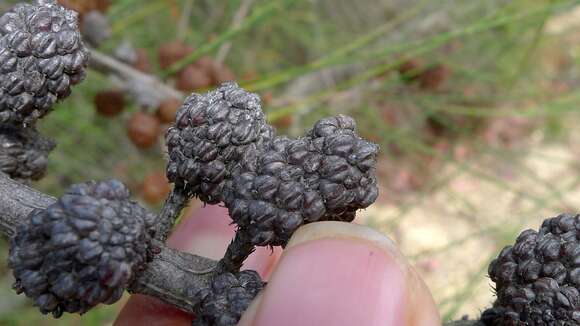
(334,273)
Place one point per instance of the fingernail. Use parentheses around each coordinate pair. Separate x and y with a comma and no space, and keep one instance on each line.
(334,273)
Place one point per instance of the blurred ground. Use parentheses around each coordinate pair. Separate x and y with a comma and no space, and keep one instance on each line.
(474,104)
(481,202)
(452,233)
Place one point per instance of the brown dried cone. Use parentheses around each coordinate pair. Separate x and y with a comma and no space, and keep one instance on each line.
(206,64)
(155,188)
(222,74)
(101,5)
(143,129)
(410,70)
(193,78)
(434,78)
(85,6)
(267,98)
(171,52)
(168,110)
(110,103)
(283,122)
(80,6)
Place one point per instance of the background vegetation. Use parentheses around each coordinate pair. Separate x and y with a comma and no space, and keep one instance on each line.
(474,104)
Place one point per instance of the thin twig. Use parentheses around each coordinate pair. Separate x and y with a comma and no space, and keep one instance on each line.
(107,64)
(236,22)
(238,251)
(172,207)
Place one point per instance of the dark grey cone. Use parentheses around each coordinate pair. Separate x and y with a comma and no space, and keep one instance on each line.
(24,153)
(222,150)
(83,250)
(327,175)
(41,56)
(213,133)
(537,280)
(227,298)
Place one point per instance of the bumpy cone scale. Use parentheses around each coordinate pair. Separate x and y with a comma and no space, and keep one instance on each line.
(222,150)
(23,153)
(228,297)
(537,280)
(214,133)
(41,57)
(83,250)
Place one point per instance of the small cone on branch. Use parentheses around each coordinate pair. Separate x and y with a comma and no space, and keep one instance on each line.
(143,129)
(171,52)
(410,70)
(101,5)
(250,75)
(168,110)
(206,64)
(84,6)
(193,78)
(221,74)
(155,188)
(80,6)
(283,122)
(267,98)
(110,103)
(433,78)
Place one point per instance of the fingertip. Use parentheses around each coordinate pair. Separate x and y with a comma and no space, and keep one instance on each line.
(145,310)
(206,232)
(207,222)
(340,274)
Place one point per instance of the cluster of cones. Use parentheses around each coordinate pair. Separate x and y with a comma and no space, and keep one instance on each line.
(146,126)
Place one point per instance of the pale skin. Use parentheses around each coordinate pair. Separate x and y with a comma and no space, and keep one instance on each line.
(331,273)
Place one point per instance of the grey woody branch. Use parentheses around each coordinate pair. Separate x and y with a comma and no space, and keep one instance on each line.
(172,276)
(105,63)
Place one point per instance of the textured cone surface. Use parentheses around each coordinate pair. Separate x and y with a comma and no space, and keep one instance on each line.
(226,300)
(222,150)
(41,57)
(327,175)
(23,153)
(537,280)
(82,250)
(213,133)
